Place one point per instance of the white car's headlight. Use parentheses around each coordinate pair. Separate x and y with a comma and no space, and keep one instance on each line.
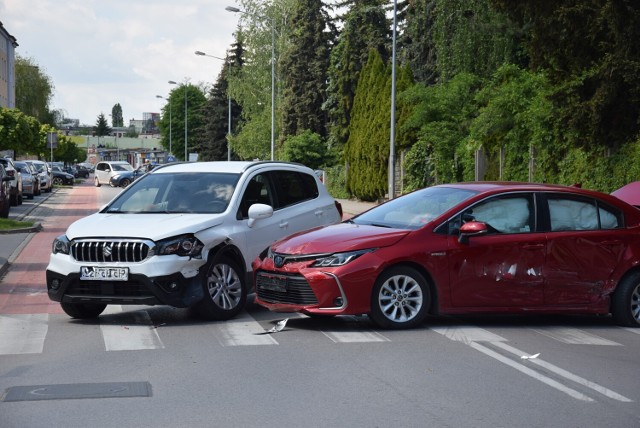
(185,245)
(60,245)
(339,259)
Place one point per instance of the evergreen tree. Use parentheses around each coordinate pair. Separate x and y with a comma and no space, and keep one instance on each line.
(304,71)
(365,27)
(102,127)
(216,109)
(418,49)
(366,153)
(116,116)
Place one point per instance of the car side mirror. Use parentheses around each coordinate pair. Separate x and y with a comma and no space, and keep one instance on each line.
(258,212)
(472,228)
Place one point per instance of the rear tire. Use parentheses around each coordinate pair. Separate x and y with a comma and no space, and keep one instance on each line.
(124,183)
(225,293)
(83,310)
(625,305)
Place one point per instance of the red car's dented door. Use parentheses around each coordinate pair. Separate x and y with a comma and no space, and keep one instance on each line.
(498,270)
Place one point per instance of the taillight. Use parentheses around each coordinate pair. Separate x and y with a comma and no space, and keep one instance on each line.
(339,208)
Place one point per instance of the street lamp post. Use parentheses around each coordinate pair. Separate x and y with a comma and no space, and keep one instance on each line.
(392,137)
(200,53)
(160,96)
(273,75)
(171,82)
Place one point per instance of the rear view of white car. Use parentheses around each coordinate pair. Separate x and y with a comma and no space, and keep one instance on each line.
(185,235)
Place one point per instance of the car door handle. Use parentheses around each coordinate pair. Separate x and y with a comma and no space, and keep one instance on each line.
(319,213)
(284,225)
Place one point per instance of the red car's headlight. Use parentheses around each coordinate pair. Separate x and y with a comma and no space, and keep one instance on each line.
(339,259)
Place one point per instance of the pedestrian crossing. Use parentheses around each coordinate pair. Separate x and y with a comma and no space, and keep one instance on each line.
(135,330)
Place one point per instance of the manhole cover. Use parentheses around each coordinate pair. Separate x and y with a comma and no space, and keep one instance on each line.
(78,390)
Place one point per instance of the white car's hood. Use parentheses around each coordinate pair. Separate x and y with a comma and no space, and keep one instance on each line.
(147,226)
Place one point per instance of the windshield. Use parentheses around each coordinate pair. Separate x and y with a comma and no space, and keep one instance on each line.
(122,167)
(201,193)
(414,210)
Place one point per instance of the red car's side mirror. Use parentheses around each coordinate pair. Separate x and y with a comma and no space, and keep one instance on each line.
(472,228)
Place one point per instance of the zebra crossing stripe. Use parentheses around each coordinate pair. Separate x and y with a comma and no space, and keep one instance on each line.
(355,336)
(137,335)
(243,330)
(573,336)
(23,333)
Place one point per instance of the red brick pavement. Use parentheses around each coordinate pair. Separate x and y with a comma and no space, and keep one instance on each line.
(23,289)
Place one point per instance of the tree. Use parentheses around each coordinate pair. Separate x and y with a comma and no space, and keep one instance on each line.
(116,116)
(216,109)
(19,132)
(590,52)
(366,153)
(417,40)
(306,148)
(34,90)
(304,71)
(265,31)
(365,27)
(195,100)
(102,127)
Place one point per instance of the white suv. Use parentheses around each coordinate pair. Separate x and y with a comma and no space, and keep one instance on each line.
(107,169)
(185,235)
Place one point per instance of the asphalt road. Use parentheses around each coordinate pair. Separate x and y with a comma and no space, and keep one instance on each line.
(159,367)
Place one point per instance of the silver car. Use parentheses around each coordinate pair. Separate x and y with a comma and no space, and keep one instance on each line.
(44,173)
(30,179)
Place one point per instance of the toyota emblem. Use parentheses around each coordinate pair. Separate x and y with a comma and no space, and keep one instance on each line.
(278,261)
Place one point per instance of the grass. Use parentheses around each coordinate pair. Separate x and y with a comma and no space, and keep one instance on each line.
(6,224)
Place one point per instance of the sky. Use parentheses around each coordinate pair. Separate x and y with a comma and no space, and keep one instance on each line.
(98,53)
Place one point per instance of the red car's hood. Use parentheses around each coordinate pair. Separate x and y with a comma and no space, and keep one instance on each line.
(338,238)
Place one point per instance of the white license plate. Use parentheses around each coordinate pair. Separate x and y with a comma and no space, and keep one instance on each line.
(92,273)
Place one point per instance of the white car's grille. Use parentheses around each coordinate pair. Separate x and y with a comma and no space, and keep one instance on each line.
(127,251)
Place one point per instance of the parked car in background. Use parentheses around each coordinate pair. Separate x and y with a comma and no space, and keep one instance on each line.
(123,179)
(464,248)
(107,169)
(30,179)
(81,171)
(185,235)
(5,200)
(44,173)
(15,187)
(60,177)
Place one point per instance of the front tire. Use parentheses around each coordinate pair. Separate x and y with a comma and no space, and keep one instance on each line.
(400,298)
(225,294)
(83,310)
(57,181)
(96,182)
(625,305)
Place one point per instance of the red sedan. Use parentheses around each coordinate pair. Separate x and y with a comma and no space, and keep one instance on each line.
(464,248)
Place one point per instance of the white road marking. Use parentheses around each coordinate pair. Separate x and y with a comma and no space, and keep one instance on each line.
(632,330)
(473,335)
(23,333)
(355,336)
(243,330)
(140,334)
(573,336)
(529,372)
(568,375)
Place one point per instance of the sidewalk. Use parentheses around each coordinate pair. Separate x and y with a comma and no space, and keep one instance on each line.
(13,241)
(351,207)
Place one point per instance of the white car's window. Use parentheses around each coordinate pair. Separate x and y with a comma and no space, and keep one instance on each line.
(200,193)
